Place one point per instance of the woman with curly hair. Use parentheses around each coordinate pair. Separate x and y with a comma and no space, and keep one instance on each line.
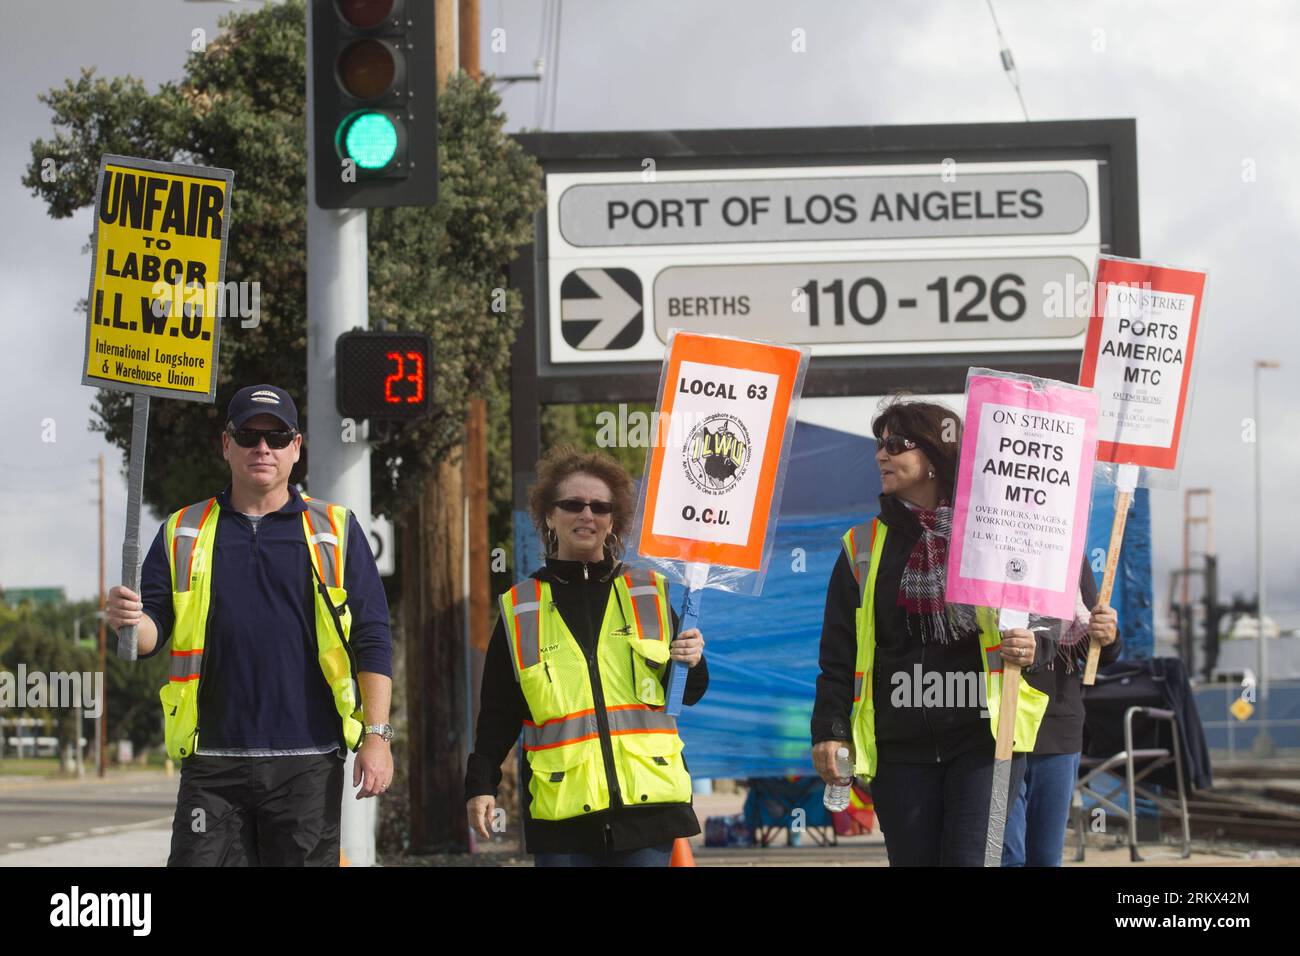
(579,661)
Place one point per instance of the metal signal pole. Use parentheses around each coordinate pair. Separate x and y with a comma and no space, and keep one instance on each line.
(339,461)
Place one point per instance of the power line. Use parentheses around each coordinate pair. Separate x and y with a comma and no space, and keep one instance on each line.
(1008,63)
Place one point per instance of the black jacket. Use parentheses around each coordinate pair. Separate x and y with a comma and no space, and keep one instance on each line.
(1062,680)
(903,734)
(930,733)
(581,593)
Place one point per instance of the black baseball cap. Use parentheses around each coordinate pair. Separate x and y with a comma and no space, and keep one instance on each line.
(254,400)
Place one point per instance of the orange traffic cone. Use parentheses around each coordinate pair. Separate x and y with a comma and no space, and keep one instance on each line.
(682,855)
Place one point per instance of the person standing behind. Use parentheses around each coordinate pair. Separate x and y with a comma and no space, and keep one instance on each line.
(579,660)
(1037,818)
(276,614)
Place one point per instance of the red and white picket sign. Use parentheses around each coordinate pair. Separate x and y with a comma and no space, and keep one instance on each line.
(1138,358)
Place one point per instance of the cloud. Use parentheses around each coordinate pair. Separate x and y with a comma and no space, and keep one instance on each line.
(1211,85)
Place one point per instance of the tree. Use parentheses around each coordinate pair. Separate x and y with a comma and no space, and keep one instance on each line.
(240,106)
(583,425)
(40,638)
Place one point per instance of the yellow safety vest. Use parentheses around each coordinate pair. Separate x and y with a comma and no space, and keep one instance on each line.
(189,535)
(597,730)
(1030,705)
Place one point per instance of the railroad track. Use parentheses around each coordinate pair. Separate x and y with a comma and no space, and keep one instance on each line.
(1267,814)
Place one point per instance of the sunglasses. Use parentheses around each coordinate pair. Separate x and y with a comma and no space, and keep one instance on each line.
(576,506)
(250,437)
(897,444)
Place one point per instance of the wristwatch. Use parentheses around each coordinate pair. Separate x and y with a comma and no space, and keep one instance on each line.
(383,730)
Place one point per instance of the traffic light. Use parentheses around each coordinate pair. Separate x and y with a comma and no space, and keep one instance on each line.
(383,376)
(374,103)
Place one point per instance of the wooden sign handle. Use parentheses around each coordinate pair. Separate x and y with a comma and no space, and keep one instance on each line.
(1007,710)
(1122,501)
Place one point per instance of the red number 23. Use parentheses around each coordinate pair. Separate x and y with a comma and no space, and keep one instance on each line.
(416,377)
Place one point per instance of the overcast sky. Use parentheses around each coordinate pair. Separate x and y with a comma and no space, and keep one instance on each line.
(1211,85)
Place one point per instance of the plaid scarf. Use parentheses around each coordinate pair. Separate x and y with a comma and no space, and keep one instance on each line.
(924,578)
(1066,641)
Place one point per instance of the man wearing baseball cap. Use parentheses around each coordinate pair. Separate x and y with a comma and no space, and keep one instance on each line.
(281,656)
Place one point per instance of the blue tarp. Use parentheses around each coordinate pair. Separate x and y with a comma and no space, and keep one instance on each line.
(754,720)
(1132,596)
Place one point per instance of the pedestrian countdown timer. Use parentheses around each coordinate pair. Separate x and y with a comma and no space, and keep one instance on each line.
(383,376)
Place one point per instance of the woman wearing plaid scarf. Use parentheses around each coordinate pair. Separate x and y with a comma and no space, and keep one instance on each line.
(934,747)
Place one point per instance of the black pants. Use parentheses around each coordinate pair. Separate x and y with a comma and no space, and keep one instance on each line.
(937,814)
(258,811)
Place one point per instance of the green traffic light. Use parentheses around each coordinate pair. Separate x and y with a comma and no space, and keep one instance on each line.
(370,139)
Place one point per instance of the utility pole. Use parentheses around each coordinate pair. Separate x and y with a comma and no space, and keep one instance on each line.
(1263,746)
(479,581)
(101,734)
(1186,617)
(76,642)
(476,478)
(434,606)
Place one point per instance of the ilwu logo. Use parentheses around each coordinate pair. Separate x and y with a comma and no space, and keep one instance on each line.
(601,309)
(75,909)
(717,453)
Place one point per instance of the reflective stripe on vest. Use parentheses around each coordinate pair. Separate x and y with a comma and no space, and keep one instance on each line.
(862,538)
(575,728)
(858,547)
(184,536)
(324,540)
(527,615)
(186,665)
(639,719)
(645,604)
(560,731)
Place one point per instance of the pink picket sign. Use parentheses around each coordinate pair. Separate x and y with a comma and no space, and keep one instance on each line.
(1024,484)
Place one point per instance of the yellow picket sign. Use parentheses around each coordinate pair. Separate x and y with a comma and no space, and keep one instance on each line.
(157,278)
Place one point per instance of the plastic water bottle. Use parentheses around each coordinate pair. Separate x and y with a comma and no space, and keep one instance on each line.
(836,797)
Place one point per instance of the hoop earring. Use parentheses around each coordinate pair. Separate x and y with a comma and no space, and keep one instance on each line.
(616,548)
(552,542)
(931,472)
